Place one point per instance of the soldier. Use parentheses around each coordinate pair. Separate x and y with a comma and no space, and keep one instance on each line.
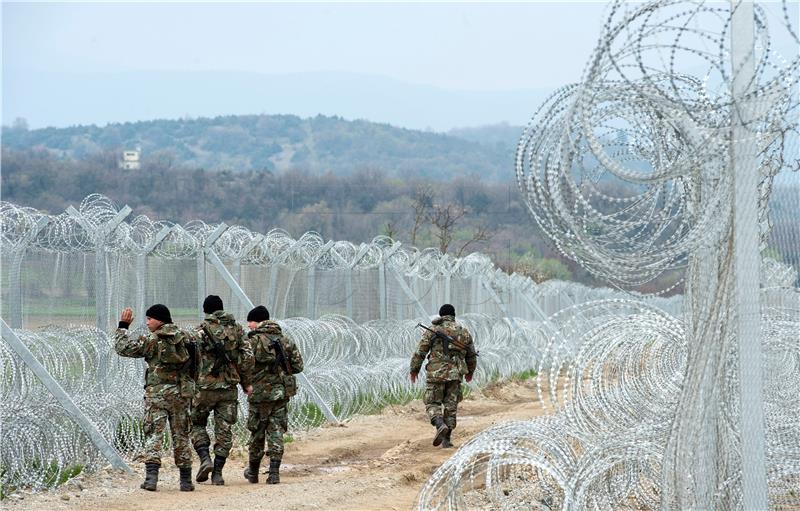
(447,363)
(225,361)
(168,389)
(277,360)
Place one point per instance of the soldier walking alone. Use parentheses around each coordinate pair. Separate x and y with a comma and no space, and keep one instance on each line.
(277,359)
(168,389)
(450,356)
(225,361)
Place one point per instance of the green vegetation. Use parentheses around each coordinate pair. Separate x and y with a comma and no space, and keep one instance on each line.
(56,477)
(275,142)
(53,476)
(126,431)
(70,308)
(524,375)
(496,377)
(354,207)
(310,415)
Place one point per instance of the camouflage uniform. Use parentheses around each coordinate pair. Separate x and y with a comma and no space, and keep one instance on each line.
(443,388)
(168,389)
(216,380)
(272,387)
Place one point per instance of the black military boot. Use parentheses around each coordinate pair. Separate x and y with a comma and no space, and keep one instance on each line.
(216,475)
(441,430)
(251,472)
(150,476)
(274,476)
(446,444)
(186,479)
(205,463)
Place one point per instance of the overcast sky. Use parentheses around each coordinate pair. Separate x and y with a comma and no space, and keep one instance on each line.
(52,53)
(468,46)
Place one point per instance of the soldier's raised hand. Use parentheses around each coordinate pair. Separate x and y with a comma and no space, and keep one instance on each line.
(126,318)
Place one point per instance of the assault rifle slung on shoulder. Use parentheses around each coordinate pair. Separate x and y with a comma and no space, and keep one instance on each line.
(218,348)
(447,341)
(280,354)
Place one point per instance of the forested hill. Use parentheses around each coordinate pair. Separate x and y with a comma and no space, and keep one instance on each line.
(279,142)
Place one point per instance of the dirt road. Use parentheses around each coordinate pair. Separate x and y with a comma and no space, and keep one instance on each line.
(372,462)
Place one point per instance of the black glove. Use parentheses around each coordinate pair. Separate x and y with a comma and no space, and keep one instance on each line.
(124,324)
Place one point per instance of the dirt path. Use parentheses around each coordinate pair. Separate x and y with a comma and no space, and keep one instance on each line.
(373,462)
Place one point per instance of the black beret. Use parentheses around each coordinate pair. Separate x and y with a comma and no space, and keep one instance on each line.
(212,303)
(159,312)
(258,314)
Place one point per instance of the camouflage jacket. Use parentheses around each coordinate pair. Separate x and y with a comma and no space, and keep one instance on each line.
(271,380)
(231,361)
(441,367)
(166,353)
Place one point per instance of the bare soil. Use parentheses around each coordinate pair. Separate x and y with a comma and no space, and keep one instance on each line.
(371,462)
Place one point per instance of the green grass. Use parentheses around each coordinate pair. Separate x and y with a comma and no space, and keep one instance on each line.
(71,307)
(53,476)
(127,428)
(58,308)
(527,374)
(311,415)
(524,375)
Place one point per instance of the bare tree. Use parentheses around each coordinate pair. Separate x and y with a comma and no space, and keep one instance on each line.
(423,202)
(390,230)
(481,234)
(444,220)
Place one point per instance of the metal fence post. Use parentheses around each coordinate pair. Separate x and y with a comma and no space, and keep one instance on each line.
(141,272)
(201,266)
(99,236)
(410,294)
(237,290)
(746,258)
(62,397)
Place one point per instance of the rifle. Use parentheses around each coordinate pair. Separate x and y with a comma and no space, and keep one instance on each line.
(191,365)
(220,357)
(447,341)
(280,354)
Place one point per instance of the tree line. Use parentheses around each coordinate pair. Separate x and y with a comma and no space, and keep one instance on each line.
(280,142)
(458,217)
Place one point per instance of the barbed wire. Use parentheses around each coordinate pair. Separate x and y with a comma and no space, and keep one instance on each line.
(628,173)
(357,369)
(611,168)
(64,233)
(615,401)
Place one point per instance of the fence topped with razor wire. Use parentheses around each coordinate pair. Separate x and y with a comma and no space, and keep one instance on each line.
(352,309)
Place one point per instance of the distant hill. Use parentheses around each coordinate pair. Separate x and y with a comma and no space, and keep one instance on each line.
(64,99)
(501,135)
(278,142)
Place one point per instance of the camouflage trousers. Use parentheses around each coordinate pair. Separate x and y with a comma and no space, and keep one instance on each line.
(225,405)
(441,400)
(162,405)
(268,421)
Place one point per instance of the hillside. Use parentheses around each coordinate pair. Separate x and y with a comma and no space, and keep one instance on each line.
(278,142)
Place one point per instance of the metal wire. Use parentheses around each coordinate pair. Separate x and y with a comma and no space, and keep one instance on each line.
(628,173)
